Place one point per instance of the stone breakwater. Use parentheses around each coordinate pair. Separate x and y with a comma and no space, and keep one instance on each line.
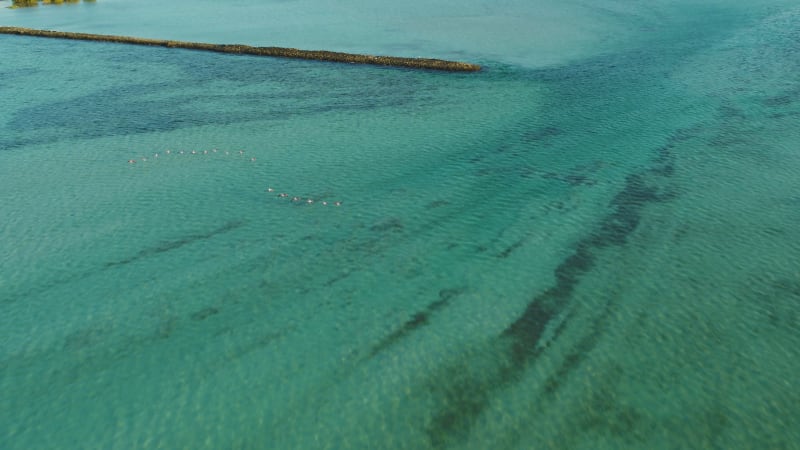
(281,52)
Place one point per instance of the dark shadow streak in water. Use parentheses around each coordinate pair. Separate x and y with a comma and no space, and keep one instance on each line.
(465,397)
(204,313)
(510,249)
(614,230)
(172,245)
(576,354)
(131,108)
(144,253)
(134,115)
(337,278)
(417,320)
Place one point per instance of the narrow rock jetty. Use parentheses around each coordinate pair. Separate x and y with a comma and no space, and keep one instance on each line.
(320,55)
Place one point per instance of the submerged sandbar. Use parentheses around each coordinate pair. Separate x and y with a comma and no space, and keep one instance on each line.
(282,52)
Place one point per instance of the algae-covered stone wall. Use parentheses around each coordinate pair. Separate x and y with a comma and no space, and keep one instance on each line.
(321,55)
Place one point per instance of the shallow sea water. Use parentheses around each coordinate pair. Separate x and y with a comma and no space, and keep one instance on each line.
(591,243)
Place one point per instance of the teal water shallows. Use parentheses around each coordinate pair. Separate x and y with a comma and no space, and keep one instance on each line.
(598,254)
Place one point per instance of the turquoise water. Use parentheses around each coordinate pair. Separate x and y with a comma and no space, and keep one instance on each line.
(591,243)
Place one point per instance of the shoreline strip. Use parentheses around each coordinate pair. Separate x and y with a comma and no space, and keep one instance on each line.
(280,52)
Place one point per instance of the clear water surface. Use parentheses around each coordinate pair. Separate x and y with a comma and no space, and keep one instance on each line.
(590,244)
